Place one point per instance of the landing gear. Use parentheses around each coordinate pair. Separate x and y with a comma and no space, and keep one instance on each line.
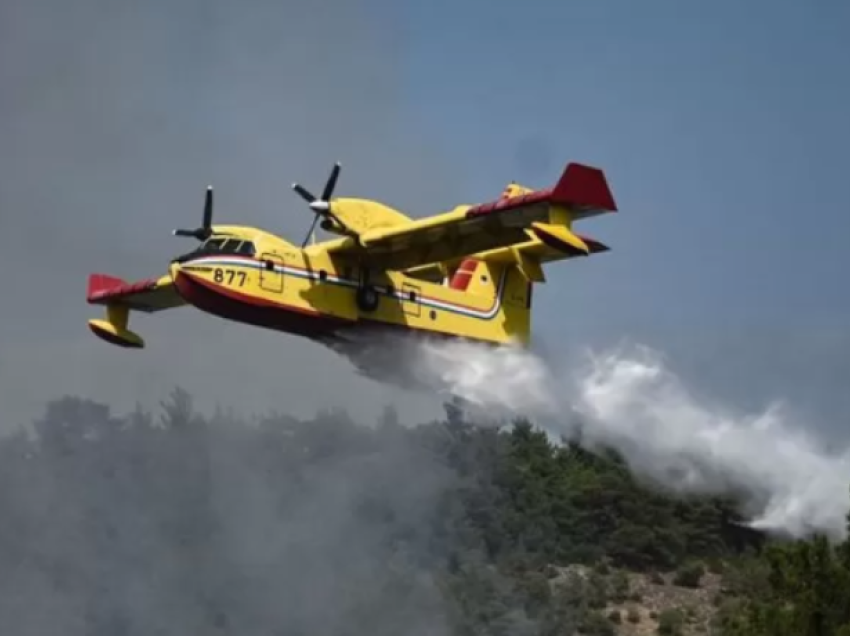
(367,298)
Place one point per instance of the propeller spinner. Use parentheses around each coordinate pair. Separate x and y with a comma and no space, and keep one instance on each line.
(202,233)
(321,206)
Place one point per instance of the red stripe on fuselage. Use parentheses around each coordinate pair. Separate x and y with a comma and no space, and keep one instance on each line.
(423,297)
(232,305)
(260,312)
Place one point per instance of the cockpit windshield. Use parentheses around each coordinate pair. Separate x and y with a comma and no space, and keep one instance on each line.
(212,245)
(221,245)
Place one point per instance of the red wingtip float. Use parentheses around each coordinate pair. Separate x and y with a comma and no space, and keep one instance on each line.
(466,273)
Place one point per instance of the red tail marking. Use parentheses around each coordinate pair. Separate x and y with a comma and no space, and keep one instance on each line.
(103,286)
(581,188)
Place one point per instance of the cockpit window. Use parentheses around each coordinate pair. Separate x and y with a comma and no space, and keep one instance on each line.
(227,246)
(220,245)
(246,248)
(212,245)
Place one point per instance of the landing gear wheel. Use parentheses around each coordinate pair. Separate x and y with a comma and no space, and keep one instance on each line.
(367,298)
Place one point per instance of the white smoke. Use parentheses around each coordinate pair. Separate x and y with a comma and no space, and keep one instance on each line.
(630,400)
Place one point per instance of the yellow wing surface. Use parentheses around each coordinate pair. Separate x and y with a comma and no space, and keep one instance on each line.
(535,225)
(362,215)
(119,297)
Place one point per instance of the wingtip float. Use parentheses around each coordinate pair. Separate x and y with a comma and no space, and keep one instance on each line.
(467,273)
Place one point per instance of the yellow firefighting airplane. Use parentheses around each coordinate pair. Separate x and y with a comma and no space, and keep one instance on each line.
(467,273)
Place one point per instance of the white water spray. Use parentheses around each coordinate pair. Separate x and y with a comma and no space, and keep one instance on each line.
(632,402)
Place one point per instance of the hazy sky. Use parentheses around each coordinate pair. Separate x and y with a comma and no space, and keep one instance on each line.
(723,129)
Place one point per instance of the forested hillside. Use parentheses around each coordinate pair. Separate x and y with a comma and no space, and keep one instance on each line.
(170,523)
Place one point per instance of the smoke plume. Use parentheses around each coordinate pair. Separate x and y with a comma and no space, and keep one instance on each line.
(133,526)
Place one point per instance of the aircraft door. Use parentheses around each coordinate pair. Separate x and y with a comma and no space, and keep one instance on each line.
(271,274)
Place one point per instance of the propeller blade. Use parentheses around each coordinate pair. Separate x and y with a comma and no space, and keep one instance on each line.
(208,209)
(205,231)
(304,192)
(331,184)
(322,206)
(310,231)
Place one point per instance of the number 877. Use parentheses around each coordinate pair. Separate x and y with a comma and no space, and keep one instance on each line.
(220,275)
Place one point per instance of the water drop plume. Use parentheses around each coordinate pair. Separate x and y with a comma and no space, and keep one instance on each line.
(629,399)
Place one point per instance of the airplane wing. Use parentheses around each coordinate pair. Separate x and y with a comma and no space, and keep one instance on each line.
(534,249)
(119,297)
(150,295)
(542,215)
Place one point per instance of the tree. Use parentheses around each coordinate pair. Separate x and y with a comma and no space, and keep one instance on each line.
(183,523)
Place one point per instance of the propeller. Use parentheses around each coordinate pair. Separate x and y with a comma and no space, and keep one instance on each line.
(321,206)
(202,233)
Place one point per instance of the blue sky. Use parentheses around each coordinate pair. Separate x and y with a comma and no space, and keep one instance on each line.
(724,129)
